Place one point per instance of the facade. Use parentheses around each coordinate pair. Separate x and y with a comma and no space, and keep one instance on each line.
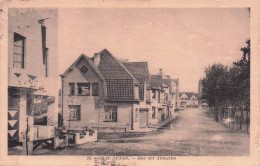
(100,92)
(188,99)
(143,112)
(32,71)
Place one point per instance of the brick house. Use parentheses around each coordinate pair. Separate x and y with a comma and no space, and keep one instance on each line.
(100,92)
(32,72)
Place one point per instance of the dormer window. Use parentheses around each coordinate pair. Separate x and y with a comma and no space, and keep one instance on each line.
(84,69)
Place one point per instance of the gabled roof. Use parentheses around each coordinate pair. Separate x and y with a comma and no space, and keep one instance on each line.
(156,81)
(140,71)
(111,68)
(90,62)
(189,94)
(119,80)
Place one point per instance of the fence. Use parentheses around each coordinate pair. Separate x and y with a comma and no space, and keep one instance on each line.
(234,117)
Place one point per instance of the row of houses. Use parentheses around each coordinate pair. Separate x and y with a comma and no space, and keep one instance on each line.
(101,91)
(108,93)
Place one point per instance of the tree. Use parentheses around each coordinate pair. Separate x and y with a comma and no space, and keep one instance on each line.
(214,84)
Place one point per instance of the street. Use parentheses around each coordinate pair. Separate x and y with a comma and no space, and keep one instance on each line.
(191,133)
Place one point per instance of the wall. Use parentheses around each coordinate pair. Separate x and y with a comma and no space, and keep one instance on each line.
(89,115)
(25,22)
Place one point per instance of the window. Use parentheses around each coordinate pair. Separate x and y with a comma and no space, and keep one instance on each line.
(111,113)
(84,89)
(166,97)
(136,114)
(72,89)
(148,95)
(153,112)
(74,112)
(84,69)
(95,89)
(18,51)
(154,94)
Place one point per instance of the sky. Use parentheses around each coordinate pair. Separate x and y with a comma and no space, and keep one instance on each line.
(180,41)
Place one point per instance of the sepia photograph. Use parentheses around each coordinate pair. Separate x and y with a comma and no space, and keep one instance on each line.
(126,84)
(129,82)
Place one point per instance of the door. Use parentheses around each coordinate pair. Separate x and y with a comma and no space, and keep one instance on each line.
(159,114)
(143,118)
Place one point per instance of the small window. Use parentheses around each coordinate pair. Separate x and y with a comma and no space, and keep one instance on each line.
(154,94)
(18,51)
(84,69)
(153,112)
(111,113)
(74,112)
(95,89)
(84,89)
(72,89)
(136,114)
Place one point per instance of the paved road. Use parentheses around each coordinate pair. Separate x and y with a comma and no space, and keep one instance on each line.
(191,133)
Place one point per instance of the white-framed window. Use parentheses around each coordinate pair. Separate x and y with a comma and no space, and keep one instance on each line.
(110,113)
(84,89)
(74,112)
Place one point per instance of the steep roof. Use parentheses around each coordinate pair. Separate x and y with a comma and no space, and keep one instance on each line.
(119,80)
(189,94)
(90,62)
(111,68)
(140,71)
(156,81)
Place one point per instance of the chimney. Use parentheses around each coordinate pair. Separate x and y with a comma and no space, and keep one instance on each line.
(160,72)
(96,59)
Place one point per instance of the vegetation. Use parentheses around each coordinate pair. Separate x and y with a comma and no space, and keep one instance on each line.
(223,85)
(227,90)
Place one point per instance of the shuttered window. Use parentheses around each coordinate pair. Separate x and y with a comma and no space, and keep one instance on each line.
(72,89)
(95,89)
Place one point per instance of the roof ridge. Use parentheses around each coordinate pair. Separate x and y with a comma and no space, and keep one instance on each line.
(120,64)
(90,63)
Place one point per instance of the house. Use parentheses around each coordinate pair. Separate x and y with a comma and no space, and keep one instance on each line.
(140,72)
(160,104)
(32,72)
(100,92)
(188,99)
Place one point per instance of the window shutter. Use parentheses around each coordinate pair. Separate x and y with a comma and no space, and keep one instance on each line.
(43,43)
(95,89)
(78,113)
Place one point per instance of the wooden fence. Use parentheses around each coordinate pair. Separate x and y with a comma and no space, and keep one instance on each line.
(234,117)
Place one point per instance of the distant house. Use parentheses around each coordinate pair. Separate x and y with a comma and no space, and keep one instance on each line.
(188,99)
(100,92)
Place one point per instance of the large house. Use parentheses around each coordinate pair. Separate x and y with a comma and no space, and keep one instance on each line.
(100,92)
(110,94)
(32,72)
(188,99)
